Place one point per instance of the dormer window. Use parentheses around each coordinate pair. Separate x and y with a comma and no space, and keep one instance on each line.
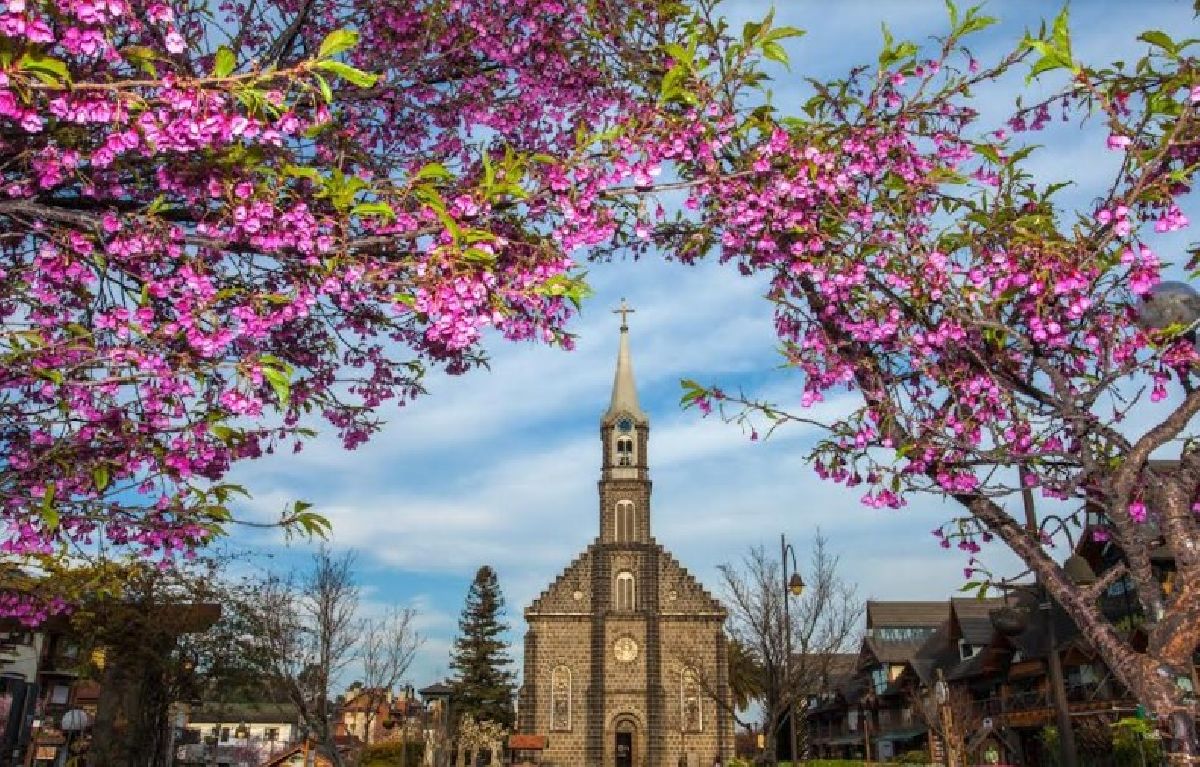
(625,451)
(966,650)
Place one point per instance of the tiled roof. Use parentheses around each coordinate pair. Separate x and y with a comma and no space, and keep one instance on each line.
(906,614)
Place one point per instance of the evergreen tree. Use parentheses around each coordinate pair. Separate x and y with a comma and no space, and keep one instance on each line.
(483,684)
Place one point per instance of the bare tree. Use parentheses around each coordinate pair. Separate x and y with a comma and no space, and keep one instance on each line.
(954,722)
(387,647)
(824,622)
(306,631)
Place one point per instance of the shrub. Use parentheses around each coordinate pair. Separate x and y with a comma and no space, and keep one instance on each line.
(392,754)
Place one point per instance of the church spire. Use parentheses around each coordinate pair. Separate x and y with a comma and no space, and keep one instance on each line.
(624,392)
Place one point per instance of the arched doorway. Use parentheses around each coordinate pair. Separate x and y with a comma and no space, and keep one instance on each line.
(625,743)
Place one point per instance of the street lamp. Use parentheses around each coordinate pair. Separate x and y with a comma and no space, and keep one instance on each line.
(793,586)
(1169,304)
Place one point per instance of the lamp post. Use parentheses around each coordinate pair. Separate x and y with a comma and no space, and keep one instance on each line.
(793,586)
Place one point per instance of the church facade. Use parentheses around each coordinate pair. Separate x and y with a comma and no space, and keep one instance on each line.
(625,652)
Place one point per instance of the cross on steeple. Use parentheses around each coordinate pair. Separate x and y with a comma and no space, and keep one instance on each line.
(624,311)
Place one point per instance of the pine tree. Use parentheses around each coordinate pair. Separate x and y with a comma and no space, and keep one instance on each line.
(483,684)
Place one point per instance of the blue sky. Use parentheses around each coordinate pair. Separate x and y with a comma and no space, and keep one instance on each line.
(499,467)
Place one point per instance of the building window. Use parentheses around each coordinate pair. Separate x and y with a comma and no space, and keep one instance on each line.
(966,651)
(901,633)
(271,734)
(625,451)
(626,592)
(624,522)
(560,699)
(691,713)
(224,734)
(879,679)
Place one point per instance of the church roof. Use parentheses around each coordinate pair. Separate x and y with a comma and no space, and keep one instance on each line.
(559,598)
(624,391)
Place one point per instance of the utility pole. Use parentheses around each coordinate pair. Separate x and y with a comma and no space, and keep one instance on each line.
(1058,691)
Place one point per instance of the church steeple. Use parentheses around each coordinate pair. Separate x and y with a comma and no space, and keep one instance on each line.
(624,392)
(625,470)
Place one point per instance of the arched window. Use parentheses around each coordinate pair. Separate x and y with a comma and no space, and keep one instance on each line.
(691,712)
(560,698)
(623,531)
(625,596)
(625,451)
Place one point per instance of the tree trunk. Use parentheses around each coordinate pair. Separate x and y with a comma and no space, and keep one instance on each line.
(132,713)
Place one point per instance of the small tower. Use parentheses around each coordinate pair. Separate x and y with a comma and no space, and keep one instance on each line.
(625,472)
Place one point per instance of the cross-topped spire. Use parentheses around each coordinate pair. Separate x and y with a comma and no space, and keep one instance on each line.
(624,311)
(624,394)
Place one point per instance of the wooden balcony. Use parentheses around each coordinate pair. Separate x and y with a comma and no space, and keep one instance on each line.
(1035,708)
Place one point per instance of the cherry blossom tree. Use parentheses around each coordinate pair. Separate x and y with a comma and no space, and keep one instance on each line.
(986,330)
(222,224)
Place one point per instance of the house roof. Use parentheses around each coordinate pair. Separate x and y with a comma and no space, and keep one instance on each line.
(435,689)
(890,652)
(971,619)
(250,713)
(366,698)
(906,614)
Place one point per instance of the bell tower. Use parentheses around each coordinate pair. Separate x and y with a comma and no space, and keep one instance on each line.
(625,472)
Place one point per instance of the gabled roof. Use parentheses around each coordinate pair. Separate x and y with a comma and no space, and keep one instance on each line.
(881,651)
(558,597)
(971,620)
(906,614)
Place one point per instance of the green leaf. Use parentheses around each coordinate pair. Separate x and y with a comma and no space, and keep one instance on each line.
(692,391)
(976,23)
(381,209)
(775,52)
(1161,39)
(278,375)
(48,69)
(141,57)
(1062,33)
(224,62)
(100,477)
(783,33)
(433,171)
(970,586)
(326,91)
(48,513)
(337,41)
(304,172)
(348,73)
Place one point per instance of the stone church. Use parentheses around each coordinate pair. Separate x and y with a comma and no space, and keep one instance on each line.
(625,653)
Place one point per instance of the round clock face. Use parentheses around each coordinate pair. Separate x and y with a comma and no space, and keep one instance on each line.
(625,649)
(625,425)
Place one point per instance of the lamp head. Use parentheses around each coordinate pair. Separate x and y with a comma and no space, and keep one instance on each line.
(1169,304)
(795,585)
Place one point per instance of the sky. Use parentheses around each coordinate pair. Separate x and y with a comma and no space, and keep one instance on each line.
(499,467)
